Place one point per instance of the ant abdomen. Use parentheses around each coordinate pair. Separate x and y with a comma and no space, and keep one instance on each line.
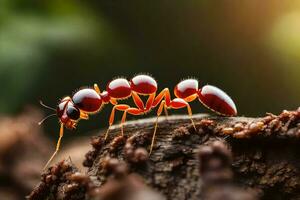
(210,96)
(217,100)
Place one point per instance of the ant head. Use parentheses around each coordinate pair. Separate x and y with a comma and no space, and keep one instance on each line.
(68,113)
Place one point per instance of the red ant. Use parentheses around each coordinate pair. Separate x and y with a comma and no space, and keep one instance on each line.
(88,101)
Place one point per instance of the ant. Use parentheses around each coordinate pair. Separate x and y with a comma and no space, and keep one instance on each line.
(88,101)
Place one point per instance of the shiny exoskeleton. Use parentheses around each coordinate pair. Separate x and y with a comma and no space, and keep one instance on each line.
(90,100)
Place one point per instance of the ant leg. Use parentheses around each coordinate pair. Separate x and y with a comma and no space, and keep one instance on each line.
(150,101)
(191,98)
(138,101)
(84,115)
(121,107)
(133,111)
(140,104)
(159,111)
(96,88)
(178,103)
(165,93)
(113,101)
(166,111)
(61,133)
(191,115)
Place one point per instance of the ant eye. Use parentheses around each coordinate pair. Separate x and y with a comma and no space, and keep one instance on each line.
(73,113)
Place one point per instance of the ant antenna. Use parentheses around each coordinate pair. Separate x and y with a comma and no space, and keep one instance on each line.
(42,104)
(46,118)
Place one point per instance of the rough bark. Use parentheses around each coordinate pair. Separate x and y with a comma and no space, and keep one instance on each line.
(228,158)
(23,149)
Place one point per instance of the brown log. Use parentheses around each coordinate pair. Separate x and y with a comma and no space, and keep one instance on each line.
(23,149)
(224,158)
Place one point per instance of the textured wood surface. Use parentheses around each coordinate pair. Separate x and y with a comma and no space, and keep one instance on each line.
(228,158)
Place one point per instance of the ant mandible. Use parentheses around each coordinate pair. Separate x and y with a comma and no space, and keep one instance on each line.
(88,101)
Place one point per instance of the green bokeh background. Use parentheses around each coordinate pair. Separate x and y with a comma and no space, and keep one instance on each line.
(48,49)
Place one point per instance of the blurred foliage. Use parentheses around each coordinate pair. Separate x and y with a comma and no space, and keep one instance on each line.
(249,48)
(285,42)
(27,43)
